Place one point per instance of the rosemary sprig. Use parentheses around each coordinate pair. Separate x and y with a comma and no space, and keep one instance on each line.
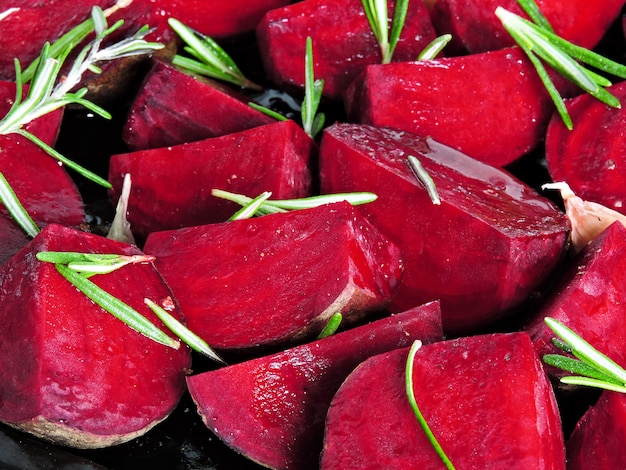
(378,17)
(540,43)
(269,206)
(594,369)
(312,121)
(92,263)
(425,179)
(16,209)
(48,92)
(433,49)
(410,393)
(268,111)
(208,58)
(248,210)
(332,326)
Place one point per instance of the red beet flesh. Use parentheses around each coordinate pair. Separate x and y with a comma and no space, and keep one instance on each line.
(483,251)
(71,372)
(273,157)
(276,405)
(485,398)
(277,279)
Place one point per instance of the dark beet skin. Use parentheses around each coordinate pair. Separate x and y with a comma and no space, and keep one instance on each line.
(272,409)
(277,279)
(219,18)
(483,251)
(486,399)
(495,120)
(171,187)
(174,108)
(342,39)
(589,299)
(591,158)
(599,436)
(475,28)
(42,186)
(71,372)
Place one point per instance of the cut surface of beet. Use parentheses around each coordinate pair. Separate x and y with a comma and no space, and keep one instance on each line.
(274,157)
(495,121)
(164,113)
(277,279)
(341,48)
(483,251)
(485,398)
(272,409)
(71,372)
(591,158)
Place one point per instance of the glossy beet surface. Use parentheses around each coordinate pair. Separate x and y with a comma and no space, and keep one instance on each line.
(274,157)
(277,279)
(174,108)
(338,57)
(485,398)
(42,186)
(591,157)
(272,409)
(484,250)
(71,372)
(495,121)
(589,298)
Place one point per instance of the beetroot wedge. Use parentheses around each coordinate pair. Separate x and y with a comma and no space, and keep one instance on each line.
(598,439)
(42,186)
(440,98)
(272,409)
(341,49)
(591,158)
(485,398)
(274,157)
(163,113)
(488,245)
(279,278)
(71,372)
(589,299)
(475,28)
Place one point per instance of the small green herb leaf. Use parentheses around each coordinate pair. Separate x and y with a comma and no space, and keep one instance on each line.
(331,327)
(209,59)
(433,49)
(410,393)
(16,209)
(377,14)
(252,207)
(269,112)
(312,121)
(424,178)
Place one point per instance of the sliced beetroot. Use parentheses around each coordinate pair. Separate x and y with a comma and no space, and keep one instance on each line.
(272,409)
(485,398)
(488,246)
(341,49)
(589,299)
(591,157)
(599,436)
(171,187)
(42,186)
(217,18)
(440,98)
(475,28)
(277,279)
(71,372)
(163,113)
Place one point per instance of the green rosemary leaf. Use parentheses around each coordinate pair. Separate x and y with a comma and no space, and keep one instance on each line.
(116,307)
(562,345)
(577,367)
(16,209)
(589,382)
(248,210)
(312,122)
(534,13)
(185,334)
(424,178)
(408,380)
(331,327)
(268,111)
(399,18)
(433,49)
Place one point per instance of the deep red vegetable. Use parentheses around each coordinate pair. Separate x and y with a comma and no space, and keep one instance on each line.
(272,409)
(589,299)
(71,372)
(591,157)
(488,246)
(495,121)
(486,399)
(173,108)
(341,48)
(273,157)
(277,279)
(474,26)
